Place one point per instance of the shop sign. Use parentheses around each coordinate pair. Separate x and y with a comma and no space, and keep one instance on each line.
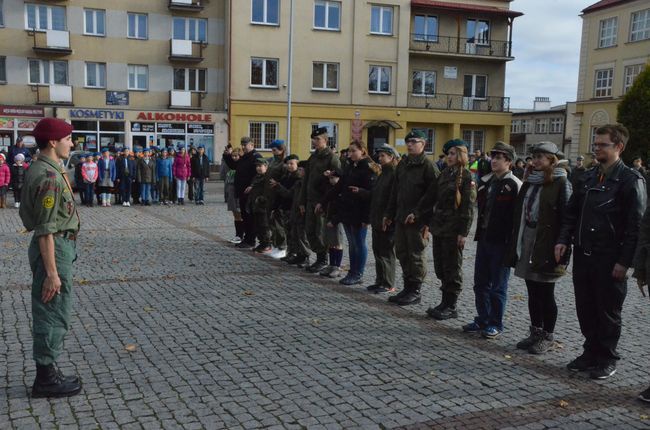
(175,117)
(143,127)
(30,111)
(169,128)
(96,114)
(200,129)
(117,98)
(24,124)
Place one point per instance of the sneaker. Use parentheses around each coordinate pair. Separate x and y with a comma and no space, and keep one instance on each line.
(326,271)
(581,364)
(278,253)
(336,273)
(542,344)
(490,332)
(125,204)
(603,372)
(472,327)
(128,205)
(351,279)
(235,240)
(645,396)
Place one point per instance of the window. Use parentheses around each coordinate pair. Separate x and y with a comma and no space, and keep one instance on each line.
(43,18)
(640,26)
(541,126)
(194,29)
(263,133)
(137,26)
(94,22)
(189,80)
(266,12)
(95,75)
(603,84)
(3,69)
(426,28)
(525,126)
(515,126)
(475,86)
(44,72)
(631,72)
(2,16)
(381,20)
(264,73)
(327,15)
(333,140)
(430,133)
(326,77)
(592,137)
(475,138)
(424,83)
(478,31)
(608,30)
(557,125)
(138,77)
(379,79)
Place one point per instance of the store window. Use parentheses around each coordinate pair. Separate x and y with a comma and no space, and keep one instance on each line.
(263,133)
(94,22)
(95,135)
(44,72)
(137,26)
(41,18)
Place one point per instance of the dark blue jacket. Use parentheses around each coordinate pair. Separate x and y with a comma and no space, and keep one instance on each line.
(123,171)
(101,165)
(164,168)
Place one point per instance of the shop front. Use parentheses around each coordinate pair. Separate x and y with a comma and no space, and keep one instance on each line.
(18,121)
(95,129)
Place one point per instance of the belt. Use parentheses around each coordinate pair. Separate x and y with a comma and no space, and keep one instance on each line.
(70,235)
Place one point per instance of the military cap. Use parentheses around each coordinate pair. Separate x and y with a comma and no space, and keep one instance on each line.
(454,143)
(105,149)
(138,149)
(318,132)
(415,134)
(262,160)
(291,157)
(51,129)
(506,149)
(276,144)
(387,149)
(580,158)
(146,150)
(545,147)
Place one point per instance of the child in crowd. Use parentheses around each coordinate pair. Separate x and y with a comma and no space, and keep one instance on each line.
(18,177)
(332,235)
(258,200)
(5,179)
(231,199)
(79,179)
(89,172)
(298,248)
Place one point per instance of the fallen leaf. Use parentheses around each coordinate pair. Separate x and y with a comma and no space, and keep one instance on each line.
(149,309)
(249,293)
(563,404)
(518,297)
(83,281)
(644,417)
(169,277)
(315,321)
(507,357)
(131,347)
(23,231)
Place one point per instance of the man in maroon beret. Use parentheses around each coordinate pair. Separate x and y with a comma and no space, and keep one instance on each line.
(48,209)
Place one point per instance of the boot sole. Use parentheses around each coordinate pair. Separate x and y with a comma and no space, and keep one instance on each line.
(55,395)
(414,302)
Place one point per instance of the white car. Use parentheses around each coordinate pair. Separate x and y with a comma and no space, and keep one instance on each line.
(70,164)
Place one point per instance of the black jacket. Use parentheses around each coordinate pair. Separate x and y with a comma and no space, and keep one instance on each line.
(284,191)
(604,218)
(497,228)
(353,208)
(121,171)
(244,170)
(200,170)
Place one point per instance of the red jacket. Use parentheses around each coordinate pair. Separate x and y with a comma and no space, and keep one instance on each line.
(5,175)
(182,169)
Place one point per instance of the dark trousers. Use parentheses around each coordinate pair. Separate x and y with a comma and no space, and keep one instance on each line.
(448,264)
(541,305)
(190,189)
(262,228)
(409,249)
(163,188)
(383,248)
(135,191)
(17,191)
(297,239)
(199,185)
(599,302)
(125,190)
(247,218)
(279,226)
(90,192)
(490,284)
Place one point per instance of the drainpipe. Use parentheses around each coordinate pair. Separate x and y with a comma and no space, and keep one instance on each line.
(229,77)
(290,80)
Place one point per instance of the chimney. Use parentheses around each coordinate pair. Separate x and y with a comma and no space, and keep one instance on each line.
(542,103)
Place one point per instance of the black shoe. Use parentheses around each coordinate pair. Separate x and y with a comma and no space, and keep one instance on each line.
(645,396)
(244,245)
(444,313)
(287,257)
(582,363)
(302,262)
(527,342)
(373,288)
(398,296)
(319,264)
(603,372)
(293,259)
(411,298)
(50,382)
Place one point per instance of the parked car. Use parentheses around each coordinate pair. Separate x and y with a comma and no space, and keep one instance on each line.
(70,164)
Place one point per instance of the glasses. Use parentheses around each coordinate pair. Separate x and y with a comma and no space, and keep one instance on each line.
(498,155)
(412,141)
(601,145)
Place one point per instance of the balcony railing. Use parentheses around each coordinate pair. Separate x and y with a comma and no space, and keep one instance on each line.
(185,99)
(185,50)
(53,94)
(461,46)
(52,42)
(459,102)
(186,5)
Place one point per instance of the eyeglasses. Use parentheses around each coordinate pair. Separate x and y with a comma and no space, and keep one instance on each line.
(498,155)
(412,141)
(601,145)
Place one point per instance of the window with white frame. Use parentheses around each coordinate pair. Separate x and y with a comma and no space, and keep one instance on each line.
(94,22)
(430,134)
(526,124)
(515,126)
(475,86)
(189,80)
(333,140)
(2,15)
(264,72)
(608,31)
(40,18)
(381,20)
(475,139)
(478,31)
(138,77)
(640,28)
(137,23)
(327,15)
(424,83)
(195,29)
(3,70)
(426,28)
(265,12)
(541,126)
(262,133)
(603,83)
(326,77)
(379,79)
(557,125)
(592,137)
(44,72)
(630,74)
(95,75)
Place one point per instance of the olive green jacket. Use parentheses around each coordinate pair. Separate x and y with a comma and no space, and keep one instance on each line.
(314,184)
(449,220)
(380,195)
(259,199)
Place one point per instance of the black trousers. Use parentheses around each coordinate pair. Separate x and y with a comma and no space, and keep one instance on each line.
(599,302)
(248,220)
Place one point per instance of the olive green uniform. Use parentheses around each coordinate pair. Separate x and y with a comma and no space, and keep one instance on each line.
(314,185)
(414,191)
(258,201)
(48,207)
(296,237)
(447,223)
(276,217)
(383,242)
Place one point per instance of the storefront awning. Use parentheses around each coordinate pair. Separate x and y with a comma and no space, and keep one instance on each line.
(460,7)
(383,123)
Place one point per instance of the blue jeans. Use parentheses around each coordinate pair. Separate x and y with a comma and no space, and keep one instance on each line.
(154,193)
(125,189)
(198,190)
(145,193)
(356,235)
(490,284)
(90,193)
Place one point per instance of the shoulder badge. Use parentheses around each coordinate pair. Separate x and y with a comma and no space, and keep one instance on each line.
(48,202)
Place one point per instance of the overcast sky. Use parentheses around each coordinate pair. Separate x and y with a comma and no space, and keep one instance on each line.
(546,47)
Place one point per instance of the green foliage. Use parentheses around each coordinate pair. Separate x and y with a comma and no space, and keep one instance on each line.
(634,113)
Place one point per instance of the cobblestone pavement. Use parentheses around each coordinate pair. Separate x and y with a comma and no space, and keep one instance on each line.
(173,328)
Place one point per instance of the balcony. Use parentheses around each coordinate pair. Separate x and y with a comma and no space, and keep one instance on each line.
(459,46)
(186,5)
(186,51)
(54,42)
(185,99)
(459,102)
(53,94)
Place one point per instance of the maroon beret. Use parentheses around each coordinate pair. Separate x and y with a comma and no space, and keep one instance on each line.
(51,129)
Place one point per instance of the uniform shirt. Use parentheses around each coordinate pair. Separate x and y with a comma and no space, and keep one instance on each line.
(47,205)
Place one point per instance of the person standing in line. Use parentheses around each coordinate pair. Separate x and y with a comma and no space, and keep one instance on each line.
(182,170)
(5,180)
(200,173)
(18,177)
(172,196)
(106,176)
(539,210)
(258,200)
(190,181)
(164,172)
(496,196)
(277,170)
(146,174)
(232,201)
(298,246)
(452,218)
(89,174)
(126,172)
(602,221)
(79,179)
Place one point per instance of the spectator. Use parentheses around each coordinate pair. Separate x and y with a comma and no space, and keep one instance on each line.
(18,171)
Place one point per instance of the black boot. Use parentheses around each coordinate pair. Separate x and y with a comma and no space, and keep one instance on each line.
(412,296)
(302,262)
(398,296)
(50,382)
(446,309)
(319,264)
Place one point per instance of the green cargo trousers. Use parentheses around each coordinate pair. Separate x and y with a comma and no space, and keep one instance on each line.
(262,228)
(297,239)
(51,320)
(314,228)
(448,264)
(409,248)
(383,248)
(279,220)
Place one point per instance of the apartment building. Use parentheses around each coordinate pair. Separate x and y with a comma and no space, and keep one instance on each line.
(615,48)
(124,73)
(370,70)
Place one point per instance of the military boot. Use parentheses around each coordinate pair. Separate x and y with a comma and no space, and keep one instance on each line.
(526,343)
(412,297)
(319,264)
(302,262)
(398,296)
(50,382)
(446,309)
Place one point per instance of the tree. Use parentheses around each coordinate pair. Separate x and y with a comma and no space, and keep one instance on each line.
(634,113)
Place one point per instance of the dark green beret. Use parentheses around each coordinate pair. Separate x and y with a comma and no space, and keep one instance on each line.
(261,160)
(415,134)
(291,157)
(453,143)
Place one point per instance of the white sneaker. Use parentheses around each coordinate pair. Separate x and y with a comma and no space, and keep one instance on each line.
(125,204)
(236,240)
(128,204)
(16,205)
(278,253)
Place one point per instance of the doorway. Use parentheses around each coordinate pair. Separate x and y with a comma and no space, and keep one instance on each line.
(377,136)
